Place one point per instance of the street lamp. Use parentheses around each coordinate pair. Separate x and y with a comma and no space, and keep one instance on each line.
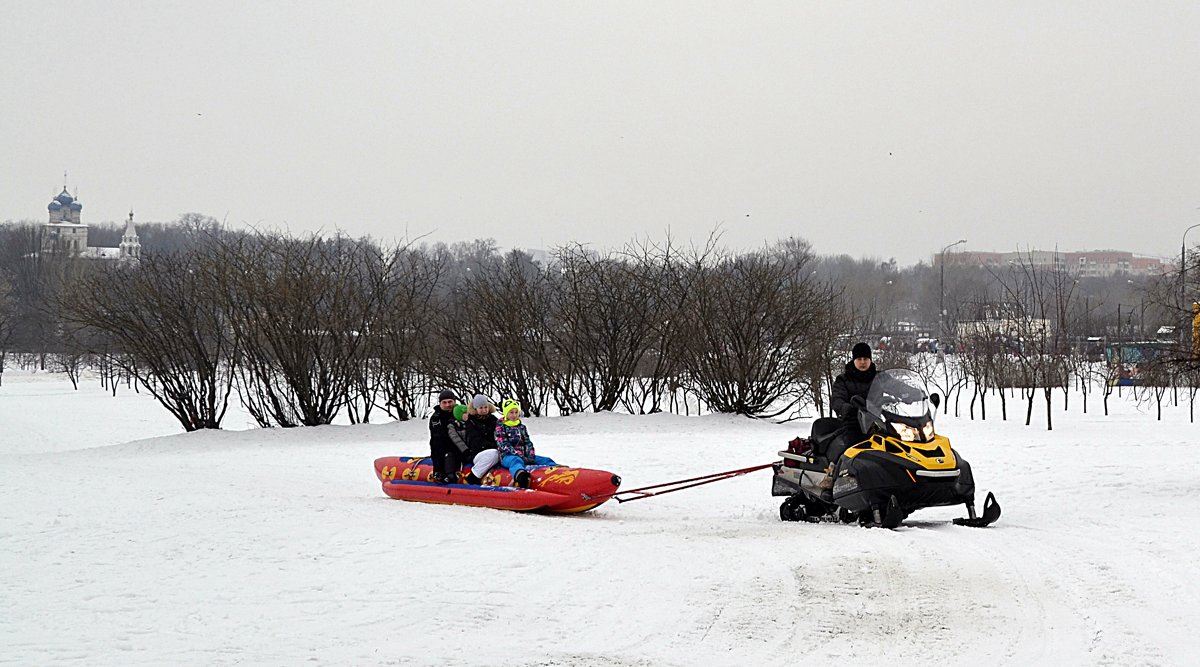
(1183,272)
(942,292)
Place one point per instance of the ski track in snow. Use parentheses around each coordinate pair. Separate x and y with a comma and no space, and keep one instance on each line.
(277,547)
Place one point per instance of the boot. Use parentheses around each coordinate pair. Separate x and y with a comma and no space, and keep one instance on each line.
(473,480)
(522,479)
(826,485)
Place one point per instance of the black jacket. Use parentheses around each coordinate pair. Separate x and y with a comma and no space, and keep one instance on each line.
(439,438)
(481,433)
(849,384)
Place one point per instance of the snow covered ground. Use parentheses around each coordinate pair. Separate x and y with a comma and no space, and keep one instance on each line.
(125,542)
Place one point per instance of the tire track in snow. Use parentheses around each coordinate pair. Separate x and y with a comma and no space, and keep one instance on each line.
(907,598)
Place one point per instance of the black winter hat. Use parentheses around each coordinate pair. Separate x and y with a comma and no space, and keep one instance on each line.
(447,394)
(861,350)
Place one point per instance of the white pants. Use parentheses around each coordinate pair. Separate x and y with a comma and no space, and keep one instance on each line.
(485,461)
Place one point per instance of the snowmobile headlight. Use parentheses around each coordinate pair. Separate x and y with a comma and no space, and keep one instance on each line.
(906,432)
(927,430)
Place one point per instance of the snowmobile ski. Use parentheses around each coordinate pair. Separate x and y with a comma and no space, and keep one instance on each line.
(991,512)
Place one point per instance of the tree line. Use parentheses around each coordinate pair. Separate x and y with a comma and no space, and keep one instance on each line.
(1034,332)
(301,329)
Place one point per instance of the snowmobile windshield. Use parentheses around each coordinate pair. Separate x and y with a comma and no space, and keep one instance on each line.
(899,395)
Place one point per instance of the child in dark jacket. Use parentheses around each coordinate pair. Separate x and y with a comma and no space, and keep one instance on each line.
(515,447)
(458,452)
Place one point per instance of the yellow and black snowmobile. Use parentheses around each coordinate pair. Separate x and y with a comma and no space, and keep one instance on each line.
(902,464)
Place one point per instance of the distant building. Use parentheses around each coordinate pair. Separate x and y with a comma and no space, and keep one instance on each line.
(1105,263)
(1042,260)
(130,247)
(993,259)
(1085,264)
(1149,266)
(66,233)
(1000,322)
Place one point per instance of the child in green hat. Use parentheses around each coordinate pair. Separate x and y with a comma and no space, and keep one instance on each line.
(515,447)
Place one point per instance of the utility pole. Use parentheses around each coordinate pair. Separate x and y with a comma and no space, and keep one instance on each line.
(1120,351)
(942,293)
(1183,300)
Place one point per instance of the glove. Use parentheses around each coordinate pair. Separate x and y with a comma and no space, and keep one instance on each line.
(858,402)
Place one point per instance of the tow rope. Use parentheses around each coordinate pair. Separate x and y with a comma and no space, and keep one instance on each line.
(679,485)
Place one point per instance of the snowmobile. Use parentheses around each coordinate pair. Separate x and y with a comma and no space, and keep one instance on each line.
(901,466)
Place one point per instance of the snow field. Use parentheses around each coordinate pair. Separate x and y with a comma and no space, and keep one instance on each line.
(277,547)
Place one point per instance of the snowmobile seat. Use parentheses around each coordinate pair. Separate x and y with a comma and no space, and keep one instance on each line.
(824,431)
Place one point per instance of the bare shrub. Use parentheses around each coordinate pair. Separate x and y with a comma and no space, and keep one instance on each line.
(404,331)
(747,328)
(300,309)
(170,331)
(492,334)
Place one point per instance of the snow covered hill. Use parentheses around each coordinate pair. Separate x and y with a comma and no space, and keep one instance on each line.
(123,542)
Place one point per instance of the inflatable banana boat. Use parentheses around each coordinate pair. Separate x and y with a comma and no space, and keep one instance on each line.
(553,489)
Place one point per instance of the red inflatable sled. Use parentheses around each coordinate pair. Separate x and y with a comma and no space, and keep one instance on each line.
(554,489)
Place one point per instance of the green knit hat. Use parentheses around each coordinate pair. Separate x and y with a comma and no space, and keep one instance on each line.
(459,411)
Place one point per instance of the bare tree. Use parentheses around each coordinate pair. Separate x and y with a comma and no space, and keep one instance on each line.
(746,329)
(8,314)
(300,309)
(824,353)
(1040,300)
(404,329)
(35,279)
(942,372)
(171,333)
(1191,382)
(492,335)
(73,355)
(657,376)
(603,320)
(1156,378)
(978,360)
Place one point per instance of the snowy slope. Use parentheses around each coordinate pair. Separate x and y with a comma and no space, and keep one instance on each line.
(277,547)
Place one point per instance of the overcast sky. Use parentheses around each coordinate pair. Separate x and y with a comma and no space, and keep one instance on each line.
(876,129)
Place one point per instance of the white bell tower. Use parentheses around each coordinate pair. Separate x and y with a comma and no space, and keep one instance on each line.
(131,247)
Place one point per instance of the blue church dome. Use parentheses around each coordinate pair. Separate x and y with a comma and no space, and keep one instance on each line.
(76,206)
(54,205)
(64,197)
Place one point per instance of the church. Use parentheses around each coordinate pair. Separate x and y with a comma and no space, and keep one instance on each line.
(66,233)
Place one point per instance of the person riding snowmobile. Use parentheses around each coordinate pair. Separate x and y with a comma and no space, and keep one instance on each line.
(904,466)
(849,395)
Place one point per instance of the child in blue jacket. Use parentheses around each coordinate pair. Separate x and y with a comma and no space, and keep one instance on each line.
(516,449)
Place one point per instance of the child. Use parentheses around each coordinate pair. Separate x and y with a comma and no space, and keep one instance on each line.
(516,449)
(456,430)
